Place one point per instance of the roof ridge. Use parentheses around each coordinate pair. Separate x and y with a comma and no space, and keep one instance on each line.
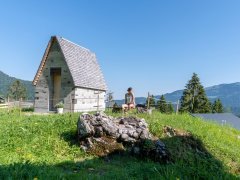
(74,43)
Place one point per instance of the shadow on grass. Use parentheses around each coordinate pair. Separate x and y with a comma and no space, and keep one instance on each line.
(70,137)
(189,160)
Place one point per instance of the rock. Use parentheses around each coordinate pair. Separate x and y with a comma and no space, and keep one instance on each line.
(135,135)
(142,109)
(84,129)
(86,116)
(131,140)
(144,135)
(129,126)
(130,132)
(101,134)
(124,137)
(110,130)
(139,130)
(169,131)
(98,131)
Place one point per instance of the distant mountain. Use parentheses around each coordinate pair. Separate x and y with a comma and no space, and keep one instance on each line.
(6,81)
(228,93)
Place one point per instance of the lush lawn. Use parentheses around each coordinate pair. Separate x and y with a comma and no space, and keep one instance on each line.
(45,147)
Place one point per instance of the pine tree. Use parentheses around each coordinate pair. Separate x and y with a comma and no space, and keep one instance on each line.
(217,106)
(194,99)
(170,108)
(152,102)
(17,90)
(162,105)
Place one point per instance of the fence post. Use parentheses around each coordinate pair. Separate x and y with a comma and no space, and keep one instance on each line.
(20,106)
(98,102)
(148,100)
(177,107)
(8,103)
(70,103)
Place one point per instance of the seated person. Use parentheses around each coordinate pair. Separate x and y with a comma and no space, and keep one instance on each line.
(129,100)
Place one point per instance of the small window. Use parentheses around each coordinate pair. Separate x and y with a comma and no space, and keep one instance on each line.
(36,98)
(74,101)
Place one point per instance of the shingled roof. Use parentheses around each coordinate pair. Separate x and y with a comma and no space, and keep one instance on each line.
(81,62)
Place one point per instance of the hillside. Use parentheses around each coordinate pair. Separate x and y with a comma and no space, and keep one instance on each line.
(46,147)
(228,93)
(6,81)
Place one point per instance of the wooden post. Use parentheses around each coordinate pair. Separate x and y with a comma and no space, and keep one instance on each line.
(148,100)
(8,103)
(20,109)
(177,107)
(71,102)
(98,102)
(108,101)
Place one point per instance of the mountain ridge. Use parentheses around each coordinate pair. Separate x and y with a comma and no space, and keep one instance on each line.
(228,93)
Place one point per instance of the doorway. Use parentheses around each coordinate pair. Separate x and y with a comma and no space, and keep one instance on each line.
(56,87)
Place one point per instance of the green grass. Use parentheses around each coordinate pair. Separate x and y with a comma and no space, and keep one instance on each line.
(45,147)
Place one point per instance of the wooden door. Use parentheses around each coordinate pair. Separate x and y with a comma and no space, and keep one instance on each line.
(56,86)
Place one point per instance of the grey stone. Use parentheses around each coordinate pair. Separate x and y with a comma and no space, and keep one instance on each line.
(124,137)
(136,135)
(98,131)
(128,126)
(144,135)
(139,130)
(129,131)
(84,129)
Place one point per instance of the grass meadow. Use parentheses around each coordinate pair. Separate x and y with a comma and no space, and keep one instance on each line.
(45,147)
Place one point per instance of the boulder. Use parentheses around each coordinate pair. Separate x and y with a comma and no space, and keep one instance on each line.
(101,134)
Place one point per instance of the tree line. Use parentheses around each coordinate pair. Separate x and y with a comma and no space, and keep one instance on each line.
(193,100)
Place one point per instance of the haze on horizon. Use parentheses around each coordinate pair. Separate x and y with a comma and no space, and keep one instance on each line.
(152,46)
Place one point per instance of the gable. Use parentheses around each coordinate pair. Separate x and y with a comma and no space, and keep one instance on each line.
(82,64)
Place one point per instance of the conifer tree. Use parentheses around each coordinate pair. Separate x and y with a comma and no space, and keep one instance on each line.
(152,102)
(17,91)
(217,106)
(170,108)
(162,105)
(194,98)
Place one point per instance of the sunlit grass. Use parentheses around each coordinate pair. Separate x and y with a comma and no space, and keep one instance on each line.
(45,146)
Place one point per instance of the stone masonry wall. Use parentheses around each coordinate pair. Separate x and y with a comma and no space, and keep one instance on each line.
(87,100)
(44,86)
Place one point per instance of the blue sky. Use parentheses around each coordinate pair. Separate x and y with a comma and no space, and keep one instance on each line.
(150,45)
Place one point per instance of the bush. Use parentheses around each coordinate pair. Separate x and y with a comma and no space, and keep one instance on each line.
(28,109)
(59,105)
